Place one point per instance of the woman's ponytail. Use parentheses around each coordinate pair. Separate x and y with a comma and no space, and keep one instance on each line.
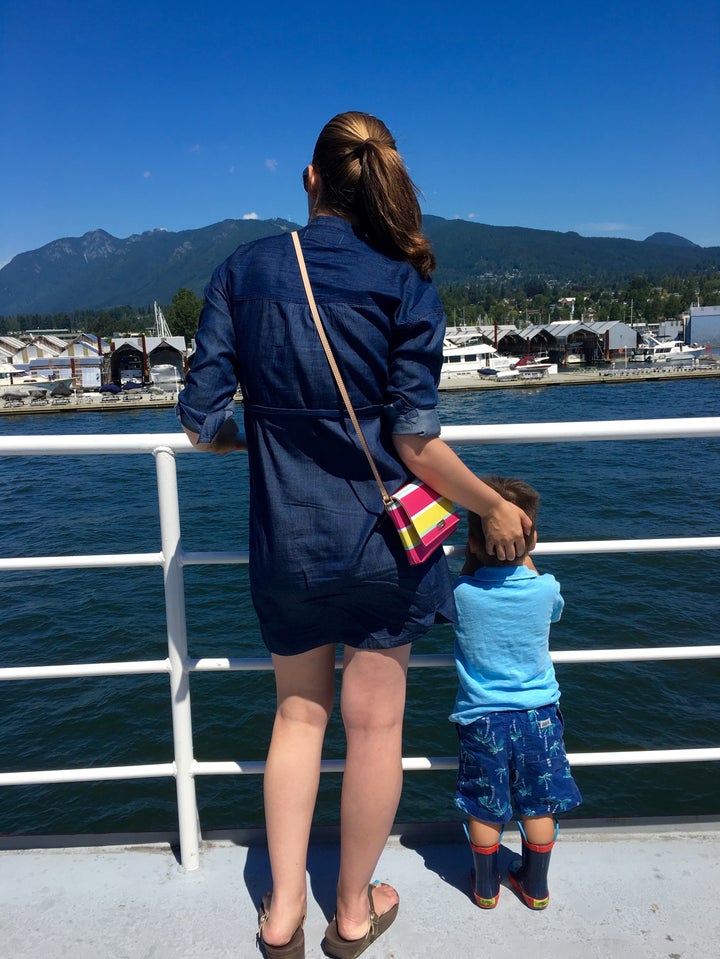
(364,177)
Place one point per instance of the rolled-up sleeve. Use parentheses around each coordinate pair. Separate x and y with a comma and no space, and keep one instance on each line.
(208,397)
(415,363)
(404,418)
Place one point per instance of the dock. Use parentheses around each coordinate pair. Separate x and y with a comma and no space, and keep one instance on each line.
(618,890)
(87,402)
(94,402)
(588,377)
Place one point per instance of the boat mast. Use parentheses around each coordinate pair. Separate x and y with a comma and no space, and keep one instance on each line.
(162,330)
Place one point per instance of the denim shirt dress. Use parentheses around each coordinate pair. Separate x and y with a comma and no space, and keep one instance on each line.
(326,564)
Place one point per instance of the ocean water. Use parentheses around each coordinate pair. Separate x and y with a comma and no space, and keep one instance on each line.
(102,504)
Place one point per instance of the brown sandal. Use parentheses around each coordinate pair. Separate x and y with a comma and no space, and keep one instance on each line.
(334,946)
(294,949)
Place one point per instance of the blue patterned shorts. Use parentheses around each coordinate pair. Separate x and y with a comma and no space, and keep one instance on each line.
(514,760)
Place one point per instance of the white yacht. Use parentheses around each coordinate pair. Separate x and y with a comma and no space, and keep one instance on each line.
(653,350)
(13,379)
(470,357)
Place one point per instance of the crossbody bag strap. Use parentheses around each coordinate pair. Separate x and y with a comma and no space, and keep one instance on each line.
(387,499)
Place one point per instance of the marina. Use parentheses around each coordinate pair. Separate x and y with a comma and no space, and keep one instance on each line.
(22,403)
(534,378)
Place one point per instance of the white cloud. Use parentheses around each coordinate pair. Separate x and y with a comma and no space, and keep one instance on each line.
(250,216)
(147,174)
(607,227)
(271,165)
(471,216)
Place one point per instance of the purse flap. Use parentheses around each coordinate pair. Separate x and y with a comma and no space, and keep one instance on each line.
(427,511)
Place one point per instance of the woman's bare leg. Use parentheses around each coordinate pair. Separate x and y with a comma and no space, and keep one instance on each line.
(373,704)
(305,693)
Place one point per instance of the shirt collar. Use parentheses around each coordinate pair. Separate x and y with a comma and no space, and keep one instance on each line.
(498,574)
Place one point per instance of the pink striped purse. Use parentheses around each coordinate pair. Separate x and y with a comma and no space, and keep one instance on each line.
(423,518)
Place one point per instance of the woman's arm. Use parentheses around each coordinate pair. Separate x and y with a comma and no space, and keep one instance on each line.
(435,463)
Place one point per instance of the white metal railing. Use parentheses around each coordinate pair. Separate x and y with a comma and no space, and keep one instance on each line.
(172,558)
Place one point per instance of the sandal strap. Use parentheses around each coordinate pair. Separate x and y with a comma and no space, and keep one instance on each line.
(373,914)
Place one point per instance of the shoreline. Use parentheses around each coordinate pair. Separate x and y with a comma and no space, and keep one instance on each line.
(88,403)
(96,403)
(591,377)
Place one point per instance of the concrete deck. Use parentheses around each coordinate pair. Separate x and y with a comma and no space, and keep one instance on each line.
(618,891)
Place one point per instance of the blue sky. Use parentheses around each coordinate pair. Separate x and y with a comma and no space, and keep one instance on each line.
(127,116)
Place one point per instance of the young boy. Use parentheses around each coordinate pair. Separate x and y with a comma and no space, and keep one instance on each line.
(512,755)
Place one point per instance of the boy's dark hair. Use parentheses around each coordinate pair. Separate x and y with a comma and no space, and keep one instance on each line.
(516,491)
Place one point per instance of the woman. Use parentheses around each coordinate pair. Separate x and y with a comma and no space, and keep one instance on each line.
(326,564)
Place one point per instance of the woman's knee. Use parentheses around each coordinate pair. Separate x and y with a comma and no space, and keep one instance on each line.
(305,686)
(373,690)
(312,711)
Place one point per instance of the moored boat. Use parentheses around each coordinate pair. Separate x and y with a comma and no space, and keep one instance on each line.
(12,380)
(653,350)
(471,359)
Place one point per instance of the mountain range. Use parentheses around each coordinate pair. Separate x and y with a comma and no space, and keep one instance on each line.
(99,271)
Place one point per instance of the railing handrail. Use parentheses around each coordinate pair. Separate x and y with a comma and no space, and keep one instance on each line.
(172,558)
(552,432)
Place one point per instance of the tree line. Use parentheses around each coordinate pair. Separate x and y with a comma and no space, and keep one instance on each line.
(517,301)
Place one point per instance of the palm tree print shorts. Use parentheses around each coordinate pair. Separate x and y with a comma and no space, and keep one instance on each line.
(514,762)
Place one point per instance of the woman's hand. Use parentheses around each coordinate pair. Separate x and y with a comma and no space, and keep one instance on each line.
(431,460)
(228,439)
(505,527)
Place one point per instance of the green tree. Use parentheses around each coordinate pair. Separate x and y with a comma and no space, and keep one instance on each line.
(183,313)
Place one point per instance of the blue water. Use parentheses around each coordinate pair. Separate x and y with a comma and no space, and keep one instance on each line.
(109,504)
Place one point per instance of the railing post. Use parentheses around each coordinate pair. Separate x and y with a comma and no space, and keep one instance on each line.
(188,820)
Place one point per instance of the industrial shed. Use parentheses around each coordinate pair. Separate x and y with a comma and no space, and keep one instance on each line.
(575,341)
(704,326)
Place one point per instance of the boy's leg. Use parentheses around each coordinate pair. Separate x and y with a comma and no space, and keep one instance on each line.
(485,843)
(543,787)
(539,830)
(528,876)
(483,793)
(484,833)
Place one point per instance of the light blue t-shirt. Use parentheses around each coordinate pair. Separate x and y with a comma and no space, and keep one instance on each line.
(502,641)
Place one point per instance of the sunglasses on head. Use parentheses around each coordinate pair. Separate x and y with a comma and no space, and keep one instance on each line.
(305,179)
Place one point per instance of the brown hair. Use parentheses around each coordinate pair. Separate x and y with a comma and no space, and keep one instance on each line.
(515,491)
(365,178)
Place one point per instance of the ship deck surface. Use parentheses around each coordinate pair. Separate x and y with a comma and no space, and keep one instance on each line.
(619,890)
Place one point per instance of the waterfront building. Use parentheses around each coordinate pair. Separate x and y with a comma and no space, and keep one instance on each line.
(704,326)
(135,357)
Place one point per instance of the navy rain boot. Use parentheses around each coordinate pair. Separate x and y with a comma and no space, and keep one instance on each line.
(529,876)
(485,877)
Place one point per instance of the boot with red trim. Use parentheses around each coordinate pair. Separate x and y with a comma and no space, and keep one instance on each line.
(485,877)
(528,876)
